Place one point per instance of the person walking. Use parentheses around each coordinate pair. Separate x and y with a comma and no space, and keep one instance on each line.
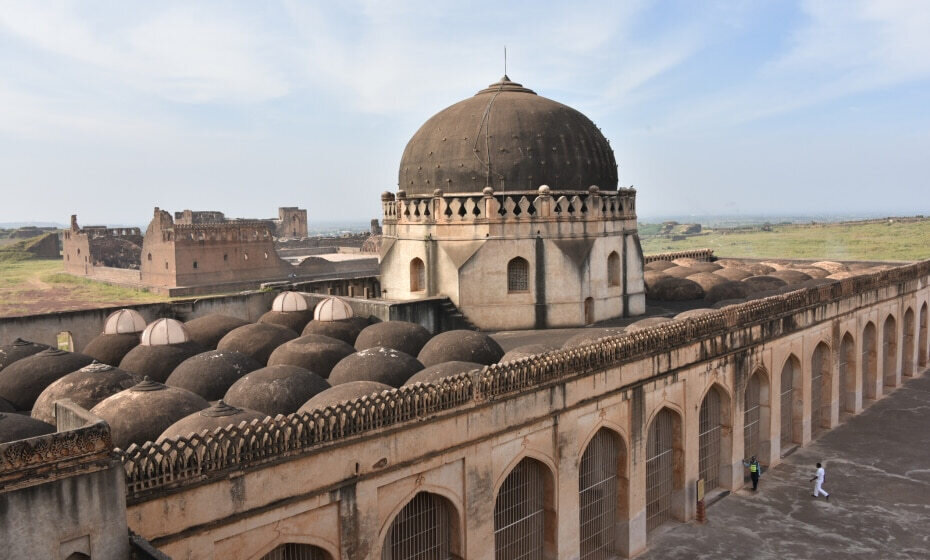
(818,485)
(755,471)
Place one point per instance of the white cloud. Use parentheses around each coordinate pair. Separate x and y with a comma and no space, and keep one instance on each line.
(182,53)
(844,47)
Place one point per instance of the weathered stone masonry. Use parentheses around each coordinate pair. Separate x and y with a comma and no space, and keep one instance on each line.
(338,478)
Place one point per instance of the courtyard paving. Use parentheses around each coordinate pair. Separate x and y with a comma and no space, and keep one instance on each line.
(878,474)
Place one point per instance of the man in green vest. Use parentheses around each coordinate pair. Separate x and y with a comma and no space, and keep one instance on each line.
(755,471)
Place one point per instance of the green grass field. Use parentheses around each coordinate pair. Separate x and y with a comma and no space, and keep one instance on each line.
(890,241)
(40,285)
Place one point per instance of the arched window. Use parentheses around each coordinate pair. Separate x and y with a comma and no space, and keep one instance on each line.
(922,337)
(297,551)
(150,257)
(422,530)
(64,341)
(869,363)
(518,275)
(907,361)
(663,467)
(602,491)
(848,374)
(756,415)
(890,352)
(522,514)
(613,269)
(195,264)
(713,437)
(417,275)
(791,404)
(821,386)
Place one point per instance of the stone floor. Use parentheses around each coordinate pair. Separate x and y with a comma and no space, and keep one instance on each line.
(878,474)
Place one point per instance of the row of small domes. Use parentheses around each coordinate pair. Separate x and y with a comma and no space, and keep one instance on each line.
(260,369)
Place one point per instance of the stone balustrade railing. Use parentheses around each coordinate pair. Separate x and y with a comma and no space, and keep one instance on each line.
(541,204)
(703,255)
(82,438)
(199,457)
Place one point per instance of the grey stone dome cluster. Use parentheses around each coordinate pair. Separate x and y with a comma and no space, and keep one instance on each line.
(461,346)
(216,416)
(23,381)
(399,335)
(18,426)
(382,365)
(86,387)
(342,393)
(277,389)
(346,330)
(314,352)
(729,281)
(17,350)
(207,331)
(144,411)
(210,374)
(257,340)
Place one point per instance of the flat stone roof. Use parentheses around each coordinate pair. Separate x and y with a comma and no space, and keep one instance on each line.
(878,478)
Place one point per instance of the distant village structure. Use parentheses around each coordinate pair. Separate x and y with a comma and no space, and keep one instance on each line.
(198,252)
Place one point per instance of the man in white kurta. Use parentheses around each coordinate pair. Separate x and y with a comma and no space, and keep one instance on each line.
(818,485)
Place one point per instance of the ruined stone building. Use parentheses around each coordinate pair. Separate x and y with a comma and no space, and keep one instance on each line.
(203,251)
(203,248)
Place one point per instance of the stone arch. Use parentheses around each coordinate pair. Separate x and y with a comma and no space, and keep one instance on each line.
(847,380)
(791,402)
(295,549)
(613,269)
(715,438)
(869,363)
(665,496)
(821,388)
(417,275)
(889,352)
(907,346)
(603,492)
(757,415)
(524,512)
(427,526)
(518,275)
(589,311)
(922,348)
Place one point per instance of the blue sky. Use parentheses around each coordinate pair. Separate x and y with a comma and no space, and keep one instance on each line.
(108,109)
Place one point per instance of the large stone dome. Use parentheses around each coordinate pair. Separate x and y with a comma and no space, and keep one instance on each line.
(508,138)
(86,387)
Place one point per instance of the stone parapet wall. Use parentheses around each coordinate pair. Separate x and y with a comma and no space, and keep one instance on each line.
(176,463)
(82,441)
(539,207)
(703,255)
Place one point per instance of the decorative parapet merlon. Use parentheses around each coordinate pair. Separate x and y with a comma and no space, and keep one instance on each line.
(84,439)
(702,255)
(488,206)
(153,467)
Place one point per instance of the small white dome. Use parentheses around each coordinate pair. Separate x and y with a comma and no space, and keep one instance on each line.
(332,309)
(163,332)
(124,321)
(289,301)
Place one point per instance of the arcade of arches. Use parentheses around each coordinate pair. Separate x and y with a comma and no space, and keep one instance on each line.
(587,469)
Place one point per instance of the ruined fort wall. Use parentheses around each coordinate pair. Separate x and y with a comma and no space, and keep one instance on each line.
(351,468)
